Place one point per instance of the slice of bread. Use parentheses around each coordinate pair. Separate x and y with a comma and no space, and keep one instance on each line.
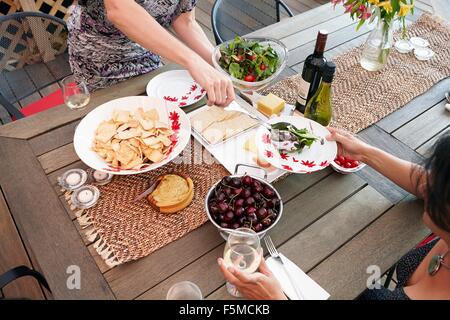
(173,193)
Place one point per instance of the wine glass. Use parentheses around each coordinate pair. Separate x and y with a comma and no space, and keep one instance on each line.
(243,252)
(184,290)
(75,92)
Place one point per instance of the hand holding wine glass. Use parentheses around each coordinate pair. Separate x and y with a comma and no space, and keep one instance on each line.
(242,252)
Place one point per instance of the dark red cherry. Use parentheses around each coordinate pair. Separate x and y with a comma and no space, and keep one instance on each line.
(250,210)
(266,222)
(261,213)
(228,217)
(239,212)
(252,218)
(239,202)
(247,181)
(250,201)
(223,207)
(224,225)
(247,193)
(268,192)
(236,182)
(258,227)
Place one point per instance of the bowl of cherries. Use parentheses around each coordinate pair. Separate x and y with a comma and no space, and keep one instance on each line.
(346,165)
(243,201)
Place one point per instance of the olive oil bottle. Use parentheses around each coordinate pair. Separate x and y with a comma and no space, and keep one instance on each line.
(319,107)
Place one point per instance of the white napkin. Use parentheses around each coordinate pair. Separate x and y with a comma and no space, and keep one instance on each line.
(307,286)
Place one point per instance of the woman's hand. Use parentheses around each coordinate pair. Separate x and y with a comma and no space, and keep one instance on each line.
(261,285)
(348,145)
(218,87)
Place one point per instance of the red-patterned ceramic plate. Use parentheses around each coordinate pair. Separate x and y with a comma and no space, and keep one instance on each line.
(168,113)
(312,159)
(176,87)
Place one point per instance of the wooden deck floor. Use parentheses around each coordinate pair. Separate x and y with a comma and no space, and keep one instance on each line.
(17,86)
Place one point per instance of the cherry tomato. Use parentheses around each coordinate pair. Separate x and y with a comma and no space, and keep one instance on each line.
(250,78)
(262,67)
(240,58)
(338,163)
(253,57)
(348,164)
(354,163)
(341,159)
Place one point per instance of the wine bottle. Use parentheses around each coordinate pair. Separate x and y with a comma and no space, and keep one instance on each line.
(319,107)
(311,76)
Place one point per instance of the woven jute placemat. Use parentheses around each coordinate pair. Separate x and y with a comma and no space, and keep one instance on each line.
(123,230)
(362,98)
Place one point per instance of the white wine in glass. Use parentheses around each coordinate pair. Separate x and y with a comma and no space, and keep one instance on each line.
(243,252)
(76,94)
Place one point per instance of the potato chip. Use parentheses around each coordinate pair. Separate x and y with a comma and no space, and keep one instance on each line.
(147,124)
(121,116)
(105,132)
(156,156)
(133,140)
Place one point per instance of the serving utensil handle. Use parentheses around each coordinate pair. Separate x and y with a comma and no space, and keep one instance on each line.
(236,169)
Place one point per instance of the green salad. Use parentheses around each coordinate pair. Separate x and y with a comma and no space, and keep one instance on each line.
(248,60)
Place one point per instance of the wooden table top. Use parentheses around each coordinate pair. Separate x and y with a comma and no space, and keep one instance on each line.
(333,226)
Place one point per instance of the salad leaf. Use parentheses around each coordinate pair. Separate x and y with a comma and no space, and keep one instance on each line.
(242,57)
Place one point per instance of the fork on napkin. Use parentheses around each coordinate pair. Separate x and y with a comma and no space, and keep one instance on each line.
(309,288)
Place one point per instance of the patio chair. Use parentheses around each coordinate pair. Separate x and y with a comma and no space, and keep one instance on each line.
(19,272)
(29,44)
(231,18)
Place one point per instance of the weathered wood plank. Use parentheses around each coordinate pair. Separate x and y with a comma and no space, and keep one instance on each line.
(54,139)
(40,218)
(20,83)
(14,255)
(40,75)
(310,34)
(328,234)
(301,22)
(415,107)
(381,244)
(58,158)
(60,67)
(424,127)
(380,139)
(427,147)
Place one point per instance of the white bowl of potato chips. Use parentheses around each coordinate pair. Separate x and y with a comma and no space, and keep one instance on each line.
(132,135)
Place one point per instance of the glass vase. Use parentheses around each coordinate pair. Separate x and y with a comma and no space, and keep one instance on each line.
(377,47)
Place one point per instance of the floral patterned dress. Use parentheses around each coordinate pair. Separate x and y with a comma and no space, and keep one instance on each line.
(102,55)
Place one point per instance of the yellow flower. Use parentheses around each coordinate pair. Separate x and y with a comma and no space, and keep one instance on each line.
(404,9)
(386,5)
(374,1)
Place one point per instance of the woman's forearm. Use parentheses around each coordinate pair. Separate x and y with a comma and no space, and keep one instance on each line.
(130,18)
(193,35)
(403,173)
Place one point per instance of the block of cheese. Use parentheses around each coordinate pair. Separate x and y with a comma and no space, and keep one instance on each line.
(270,105)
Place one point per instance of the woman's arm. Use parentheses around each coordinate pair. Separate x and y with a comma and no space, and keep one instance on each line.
(193,35)
(403,173)
(130,18)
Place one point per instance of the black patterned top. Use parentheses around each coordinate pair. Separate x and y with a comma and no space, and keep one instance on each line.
(405,268)
(102,55)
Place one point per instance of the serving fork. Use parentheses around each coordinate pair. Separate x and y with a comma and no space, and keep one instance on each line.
(274,254)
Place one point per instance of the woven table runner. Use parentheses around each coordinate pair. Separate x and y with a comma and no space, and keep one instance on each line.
(362,98)
(123,230)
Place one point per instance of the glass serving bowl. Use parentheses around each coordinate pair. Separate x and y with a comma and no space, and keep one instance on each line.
(246,86)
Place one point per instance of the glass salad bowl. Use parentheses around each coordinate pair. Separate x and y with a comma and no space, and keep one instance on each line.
(247,86)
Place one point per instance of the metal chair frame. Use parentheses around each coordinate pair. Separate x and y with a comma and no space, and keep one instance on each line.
(278,5)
